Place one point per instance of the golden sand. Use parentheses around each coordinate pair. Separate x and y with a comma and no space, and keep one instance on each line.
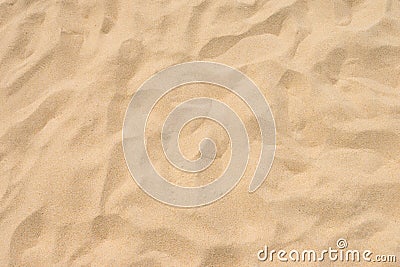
(330,71)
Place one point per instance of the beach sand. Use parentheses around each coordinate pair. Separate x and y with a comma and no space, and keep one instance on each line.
(330,70)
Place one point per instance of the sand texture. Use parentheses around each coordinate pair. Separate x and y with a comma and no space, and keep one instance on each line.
(329,69)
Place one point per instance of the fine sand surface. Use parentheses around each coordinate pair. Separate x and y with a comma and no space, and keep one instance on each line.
(329,69)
